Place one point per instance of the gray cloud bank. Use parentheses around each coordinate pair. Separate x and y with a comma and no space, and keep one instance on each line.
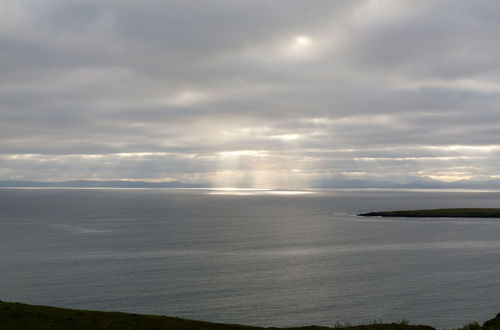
(253,93)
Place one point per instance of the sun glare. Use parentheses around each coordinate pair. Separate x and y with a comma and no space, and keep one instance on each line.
(238,153)
(286,137)
(255,192)
(302,41)
(300,46)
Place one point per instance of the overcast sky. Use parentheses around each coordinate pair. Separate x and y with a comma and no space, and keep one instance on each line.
(254,93)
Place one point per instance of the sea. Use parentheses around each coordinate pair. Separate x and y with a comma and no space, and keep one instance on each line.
(256,257)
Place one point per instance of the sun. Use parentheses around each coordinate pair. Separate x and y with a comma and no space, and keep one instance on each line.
(302,41)
(300,46)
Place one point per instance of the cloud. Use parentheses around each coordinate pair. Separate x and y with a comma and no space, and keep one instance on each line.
(307,89)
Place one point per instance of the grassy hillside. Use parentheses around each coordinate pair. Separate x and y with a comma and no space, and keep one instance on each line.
(440,213)
(15,316)
(493,324)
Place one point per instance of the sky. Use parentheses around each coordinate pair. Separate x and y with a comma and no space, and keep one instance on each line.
(251,93)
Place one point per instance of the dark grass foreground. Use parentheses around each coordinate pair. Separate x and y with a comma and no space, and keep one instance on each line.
(439,213)
(15,316)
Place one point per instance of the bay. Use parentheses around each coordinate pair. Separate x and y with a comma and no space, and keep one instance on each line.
(255,257)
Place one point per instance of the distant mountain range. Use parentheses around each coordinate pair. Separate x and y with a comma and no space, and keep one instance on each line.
(330,183)
(417,184)
(98,184)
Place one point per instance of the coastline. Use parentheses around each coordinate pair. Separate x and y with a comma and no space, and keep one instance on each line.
(439,213)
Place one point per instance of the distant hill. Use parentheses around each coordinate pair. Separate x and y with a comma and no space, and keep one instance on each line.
(476,184)
(329,183)
(98,184)
(417,184)
(341,183)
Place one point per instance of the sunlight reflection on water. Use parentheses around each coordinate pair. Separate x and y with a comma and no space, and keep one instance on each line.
(256,192)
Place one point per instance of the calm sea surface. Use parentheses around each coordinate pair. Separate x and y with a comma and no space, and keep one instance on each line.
(255,257)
